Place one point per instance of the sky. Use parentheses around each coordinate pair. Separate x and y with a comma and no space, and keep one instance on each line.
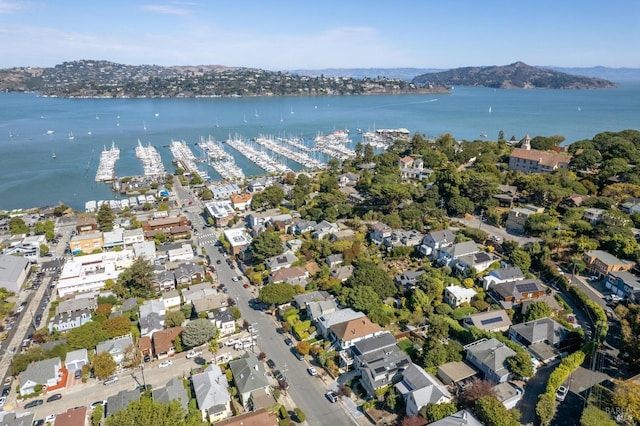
(290,35)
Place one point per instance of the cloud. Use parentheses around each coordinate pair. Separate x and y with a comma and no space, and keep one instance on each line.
(10,7)
(167,10)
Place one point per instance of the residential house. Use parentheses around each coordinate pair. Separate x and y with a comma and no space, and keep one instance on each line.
(631,205)
(188,273)
(402,238)
(75,360)
(506,195)
(296,275)
(456,373)
(593,215)
(601,263)
(197,291)
(325,322)
(301,226)
(323,229)
(320,308)
(223,190)
(622,283)
(529,160)
(249,376)
(117,348)
(261,417)
(455,295)
(490,357)
(113,239)
(224,321)
(77,304)
(174,390)
(15,271)
(46,373)
(508,394)
(502,275)
(184,252)
(302,300)
(259,184)
(413,169)
(151,317)
(209,303)
(478,262)
(25,418)
(212,394)
(219,213)
(284,260)
(518,216)
(68,321)
(163,280)
(163,340)
(548,299)
(353,195)
(435,241)
(343,235)
(132,236)
(257,218)
(241,201)
(496,321)
(334,260)
(419,388)
(294,245)
(449,256)
(86,243)
(405,162)
(379,361)
(238,239)
(145,250)
(408,279)
(342,273)
(378,232)
(347,333)
(348,179)
(171,299)
(542,337)
(177,226)
(513,293)
(87,225)
(72,417)
(120,401)
(461,418)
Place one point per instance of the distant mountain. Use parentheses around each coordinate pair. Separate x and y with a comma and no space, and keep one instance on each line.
(407,74)
(515,76)
(612,74)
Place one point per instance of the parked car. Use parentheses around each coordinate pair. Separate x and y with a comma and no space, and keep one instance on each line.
(312,371)
(288,342)
(78,374)
(111,380)
(2,401)
(50,418)
(165,363)
(33,403)
(143,388)
(193,354)
(54,397)
(147,358)
(245,285)
(331,396)
(561,393)
(271,364)
(95,404)
(6,391)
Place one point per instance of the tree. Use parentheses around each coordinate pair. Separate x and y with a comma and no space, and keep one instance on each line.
(105,218)
(137,279)
(521,259)
(367,273)
(475,390)
(264,245)
(627,397)
(117,326)
(96,416)
(197,332)
(520,364)
(17,226)
(271,197)
(148,412)
(174,319)
(491,412)
(87,336)
(536,311)
(303,348)
(435,412)
(593,416)
(103,365)
(277,293)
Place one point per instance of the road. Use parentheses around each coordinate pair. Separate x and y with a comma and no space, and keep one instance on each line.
(493,230)
(307,392)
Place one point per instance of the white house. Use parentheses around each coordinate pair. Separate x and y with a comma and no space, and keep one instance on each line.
(45,373)
(455,295)
(171,299)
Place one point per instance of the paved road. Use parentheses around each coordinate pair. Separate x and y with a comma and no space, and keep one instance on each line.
(493,230)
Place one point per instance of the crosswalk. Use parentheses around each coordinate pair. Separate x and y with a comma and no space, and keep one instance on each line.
(207,239)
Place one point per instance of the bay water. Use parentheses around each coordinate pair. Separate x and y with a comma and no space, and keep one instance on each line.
(32,128)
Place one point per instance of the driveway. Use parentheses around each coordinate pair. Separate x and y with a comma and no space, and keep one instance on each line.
(532,390)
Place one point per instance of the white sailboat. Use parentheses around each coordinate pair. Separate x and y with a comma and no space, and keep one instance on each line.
(291,110)
(489,110)
(71,137)
(53,154)
(144,125)
(89,132)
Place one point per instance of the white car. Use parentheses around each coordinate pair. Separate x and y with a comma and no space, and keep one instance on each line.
(312,371)
(2,401)
(193,354)
(561,393)
(166,363)
(50,418)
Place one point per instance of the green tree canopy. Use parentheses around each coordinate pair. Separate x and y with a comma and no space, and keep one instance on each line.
(491,412)
(265,245)
(103,365)
(271,197)
(105,218)
(136,280)
(198,332)
(369,274)
(520,364)
(537,310)
(17,226)
(117,326)
(174,319)
(277,293)
(521,259)
(87,336)
(148,412)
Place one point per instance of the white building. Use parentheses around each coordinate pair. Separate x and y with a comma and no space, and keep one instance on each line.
(90,272)
(455,295)
(183,253)
(132,236)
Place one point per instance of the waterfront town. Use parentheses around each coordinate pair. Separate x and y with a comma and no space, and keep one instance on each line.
(435,282)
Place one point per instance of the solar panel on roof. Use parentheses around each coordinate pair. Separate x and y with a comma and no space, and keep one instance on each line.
(380,369)
(482,257)
(490,320)
(527,288)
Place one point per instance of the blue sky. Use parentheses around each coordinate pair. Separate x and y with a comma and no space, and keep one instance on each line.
(285,35)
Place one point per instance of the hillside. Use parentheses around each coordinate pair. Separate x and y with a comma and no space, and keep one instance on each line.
(515,76)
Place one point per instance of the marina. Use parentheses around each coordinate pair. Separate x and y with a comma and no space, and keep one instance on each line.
(183,156)
(383,138)
(333,145)
(260,158)
(220,160)
(279,147)
(107,166)
(150,158)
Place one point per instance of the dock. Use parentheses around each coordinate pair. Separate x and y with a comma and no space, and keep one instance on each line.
(260,158)
(107,166)
(333,145)
(293,153)
(184,157)
(220,160)
(151,160)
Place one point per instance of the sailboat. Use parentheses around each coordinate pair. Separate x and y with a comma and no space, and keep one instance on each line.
(53,154)
(71,137)
(144,126)
(89,132)
(281,119)
(245,119)
(579,109)
(291,110)
(489,110)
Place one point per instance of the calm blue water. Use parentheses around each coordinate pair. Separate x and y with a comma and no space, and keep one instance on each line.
(32,178)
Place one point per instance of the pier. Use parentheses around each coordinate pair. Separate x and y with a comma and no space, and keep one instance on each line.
(260,158)
(333,145)
(183,156)
(106,168)
(278,146)
(220,160)
(151,160)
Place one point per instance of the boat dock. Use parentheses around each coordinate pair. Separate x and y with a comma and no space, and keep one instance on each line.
(333,145)
(151,160)
(183,156)
(260,158)
(277,146)
(383,138)
(107,166)
(220,160)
